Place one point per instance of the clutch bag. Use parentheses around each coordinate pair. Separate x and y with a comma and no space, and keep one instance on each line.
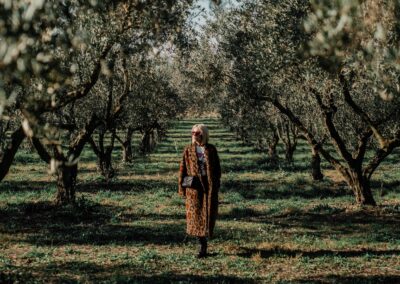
(192,182)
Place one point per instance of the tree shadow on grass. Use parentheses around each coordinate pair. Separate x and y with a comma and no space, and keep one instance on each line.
(37,216)
(50,273)
(361,279)
(15,276)
(283,190)
(267,253)
(300,187)
(379,225)
(161,234)
(70,271)
(137,185)
(375,225)
(43,224)
(126,217)
(28,185)
(385,186)
(187,278)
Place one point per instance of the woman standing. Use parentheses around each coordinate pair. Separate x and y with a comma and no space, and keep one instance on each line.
(200,161)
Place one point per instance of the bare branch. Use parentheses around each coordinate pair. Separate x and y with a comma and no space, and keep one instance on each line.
(362,146)
(329,112)
(381,154)
(308,135)
(41,150)
(361,113)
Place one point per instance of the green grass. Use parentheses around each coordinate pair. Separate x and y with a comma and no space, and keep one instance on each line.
(275,224)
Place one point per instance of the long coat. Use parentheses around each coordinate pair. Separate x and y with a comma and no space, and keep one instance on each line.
(201,205)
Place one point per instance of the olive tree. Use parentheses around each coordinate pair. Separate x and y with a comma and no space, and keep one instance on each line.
(65,47)
(259,43)
(357,43)
(356,120)
(342,99)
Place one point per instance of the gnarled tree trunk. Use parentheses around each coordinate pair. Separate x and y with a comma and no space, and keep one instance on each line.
(105,164)
(288,134)
(67,166)
(289,151)
(316,172)
(127,153)
(9,153)
(66,183)
(356,178)
(148,142)
(272,154)
(104,154)
(360,185)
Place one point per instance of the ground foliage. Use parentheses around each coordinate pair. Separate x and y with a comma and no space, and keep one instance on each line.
(276,225)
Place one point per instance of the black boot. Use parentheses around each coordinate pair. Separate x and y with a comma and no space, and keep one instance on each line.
(203,247)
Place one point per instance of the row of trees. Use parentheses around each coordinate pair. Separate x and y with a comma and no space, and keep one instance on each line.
(76,73)
(323,71)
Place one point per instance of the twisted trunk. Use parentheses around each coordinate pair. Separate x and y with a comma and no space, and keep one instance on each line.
(288,134)
(127,153)
(67,166)
(66,183)
(272,154)
(105,157)
(360,185)
(316,172)
(356,178)
(148,142)
(289,151)
(9,153)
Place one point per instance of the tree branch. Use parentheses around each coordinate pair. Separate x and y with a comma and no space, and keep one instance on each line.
(41,150)
(361,113)
(76,146)
(119,106)
(381,154)
(119,139)
(362,145)
(86,87)
(308,135)
(94,146)
(329,112)
(8,157)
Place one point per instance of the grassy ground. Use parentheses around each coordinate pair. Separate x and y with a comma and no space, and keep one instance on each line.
(275,225)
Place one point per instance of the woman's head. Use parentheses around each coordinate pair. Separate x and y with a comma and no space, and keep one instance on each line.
(200,134)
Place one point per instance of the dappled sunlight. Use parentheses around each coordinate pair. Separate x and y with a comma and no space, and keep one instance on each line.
(274,222)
